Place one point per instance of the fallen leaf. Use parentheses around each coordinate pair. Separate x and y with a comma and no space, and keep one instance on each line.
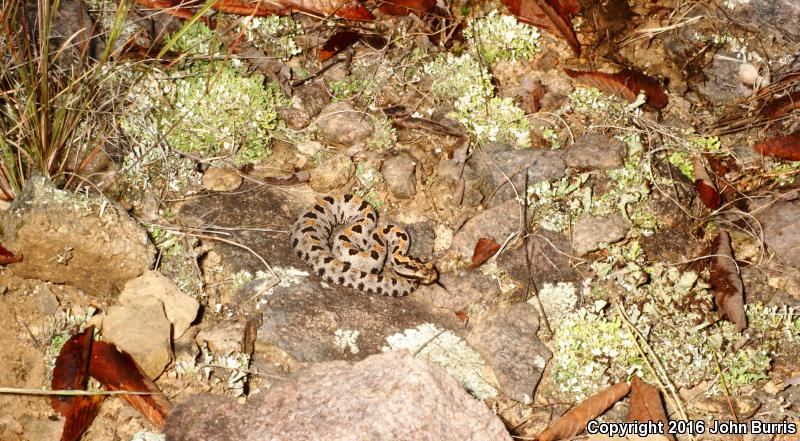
(645,405)
(725,281)
(484,249)
(337,43)
(574,421)
(7,257)
(529,94)
(462,315)
(783,147)
(406,7)
(293,179)
(550,15)
(721,169)
(704,186)
(71,372)
(116,370)
(780,106)
(625,84)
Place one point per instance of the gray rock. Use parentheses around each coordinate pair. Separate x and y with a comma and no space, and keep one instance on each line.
(497,163)
(141,329)
(304,320)
(221,179)
(46,301)
(390,396)
(311,98)
(549,255)
(87,242)
(507,340)
(340,124)
(398,172)
(595,151)
(782,231)
(778,18)
(498,223)
(460,289)
(590,231)
(181,309)
(332,173)
(224,337)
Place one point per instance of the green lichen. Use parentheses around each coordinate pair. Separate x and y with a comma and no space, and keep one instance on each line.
(274,35)
(384,135)
(501,37)
(467,85)
(555,205)
(369,179)
(683,156)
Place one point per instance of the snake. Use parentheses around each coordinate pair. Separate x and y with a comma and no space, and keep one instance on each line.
(339,237)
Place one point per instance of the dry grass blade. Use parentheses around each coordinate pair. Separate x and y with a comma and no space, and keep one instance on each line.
(726,283)
(646,404)
(574,421)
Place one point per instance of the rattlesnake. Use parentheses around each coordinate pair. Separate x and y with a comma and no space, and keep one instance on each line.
(339,239)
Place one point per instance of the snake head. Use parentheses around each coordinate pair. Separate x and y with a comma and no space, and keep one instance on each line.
(417,270)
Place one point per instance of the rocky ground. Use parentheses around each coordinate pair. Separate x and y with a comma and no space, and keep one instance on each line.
(175,245)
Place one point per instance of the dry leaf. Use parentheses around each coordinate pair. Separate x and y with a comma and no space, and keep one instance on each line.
(484,249)
(529,95)
(550,15)
(645,405)
(7,257)
(781,106)
(725,281)
(337,42)
(574,421)
(116,370)
(704,186)
(293,179)
(406,7)
(71,372)
(625,84)
(783,147)
(728,193)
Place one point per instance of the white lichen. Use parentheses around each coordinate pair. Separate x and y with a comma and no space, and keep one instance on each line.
(347,340)
(447,350)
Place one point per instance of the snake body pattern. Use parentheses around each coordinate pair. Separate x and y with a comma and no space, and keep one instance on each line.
(340,238)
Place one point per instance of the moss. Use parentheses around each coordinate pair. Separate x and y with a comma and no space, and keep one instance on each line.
(500,37)
(464,83)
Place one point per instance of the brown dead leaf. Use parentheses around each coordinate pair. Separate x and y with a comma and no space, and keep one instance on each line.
(625,84)
(550,15)
(7,257)
(783,147)
(337,43)
(780,106)
(704,186)
(645,405)
(484,249)
(116,370)
(71,372)
(293,179)
(529,95)
(720,168)
(574,421)
(407,7)
(725,281)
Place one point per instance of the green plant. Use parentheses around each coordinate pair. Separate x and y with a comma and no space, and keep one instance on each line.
(53,103)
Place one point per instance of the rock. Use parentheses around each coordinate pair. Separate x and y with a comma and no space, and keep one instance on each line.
(459,183)
(398,172)
(590,231)
(141,329)
(340,124)
(391,396)
(460,289)
(595,151)
(221,179)
(498,223)
(782,231)
(225,337)
(332,173)
(87,242)
(548,253)
(776,18)
(46,301)
(181,309)
(307,101)
(41,429)
(507,340)
(309,148)
(308,321)
(497,163)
